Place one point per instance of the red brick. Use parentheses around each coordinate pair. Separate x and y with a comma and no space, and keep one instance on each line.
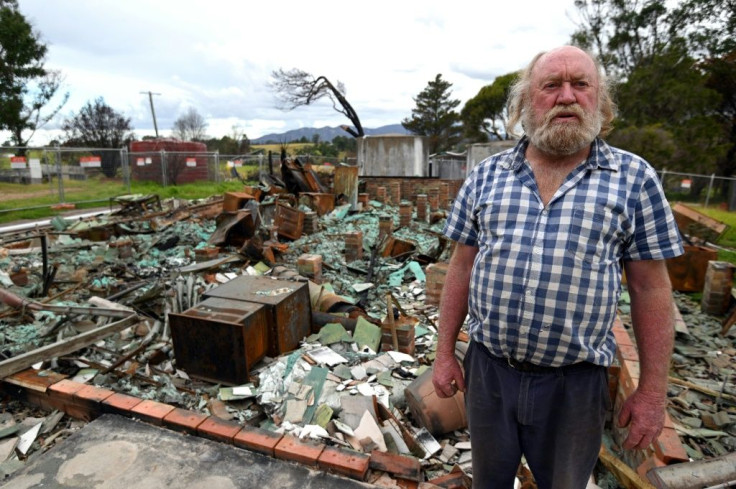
(86,402)
(92,396)
(344,462)
(629,377)
(257,440)
(120,404)
(407,484)
(402,466)
(80,411)
(218,429)
(184,420)
(622,336)
(296,450)
(64,390)
(648,464)
(61,397)
(452,480)
(668,421)
(668,447)
(627,352)
(152,412)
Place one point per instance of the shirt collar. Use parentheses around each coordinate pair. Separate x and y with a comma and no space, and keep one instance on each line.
(600,156)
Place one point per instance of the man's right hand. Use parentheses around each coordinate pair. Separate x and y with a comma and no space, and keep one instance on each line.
(447,376)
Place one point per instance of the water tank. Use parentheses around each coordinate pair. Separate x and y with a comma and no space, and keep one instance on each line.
(170,161)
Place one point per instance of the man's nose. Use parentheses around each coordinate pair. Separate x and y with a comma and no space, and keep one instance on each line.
(566,95)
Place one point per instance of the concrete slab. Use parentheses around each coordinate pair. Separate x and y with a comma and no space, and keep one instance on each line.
(114,452)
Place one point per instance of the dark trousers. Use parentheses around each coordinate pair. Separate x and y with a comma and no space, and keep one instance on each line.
(554,418)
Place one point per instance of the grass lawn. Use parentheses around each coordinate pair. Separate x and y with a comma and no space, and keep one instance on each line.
(93,193)
(728,239)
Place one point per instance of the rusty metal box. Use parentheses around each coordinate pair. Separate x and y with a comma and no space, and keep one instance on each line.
(287,306)
(290,221)
(219,340)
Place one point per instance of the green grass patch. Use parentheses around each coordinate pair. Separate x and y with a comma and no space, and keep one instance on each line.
(98,190)
(728,239)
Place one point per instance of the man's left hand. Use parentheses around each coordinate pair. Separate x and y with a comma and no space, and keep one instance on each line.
(643,413)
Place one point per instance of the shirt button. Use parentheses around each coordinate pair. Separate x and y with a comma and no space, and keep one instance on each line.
(537,250)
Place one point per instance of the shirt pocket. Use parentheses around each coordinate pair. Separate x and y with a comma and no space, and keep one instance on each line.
(591,238)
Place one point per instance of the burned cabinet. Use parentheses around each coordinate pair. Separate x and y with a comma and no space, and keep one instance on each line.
(219,340)
(286,304)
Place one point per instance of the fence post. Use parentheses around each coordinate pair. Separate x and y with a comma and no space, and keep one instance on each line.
(217,166)
(664,174)
(59,175)
(163,168)
(125,163)
(710,187)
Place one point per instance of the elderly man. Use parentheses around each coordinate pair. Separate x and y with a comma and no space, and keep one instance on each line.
(543,231)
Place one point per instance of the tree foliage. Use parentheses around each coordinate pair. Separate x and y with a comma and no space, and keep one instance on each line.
(235,143)
(26,87)
(296,88)
(435,117)
(673,65)
(190,126)
(97,125)
(485,114)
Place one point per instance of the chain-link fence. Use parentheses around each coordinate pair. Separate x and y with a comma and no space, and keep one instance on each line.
(56,174)
(706,190)
(39,177)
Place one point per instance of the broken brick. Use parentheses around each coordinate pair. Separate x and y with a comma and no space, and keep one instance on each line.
(668,447)
(257,439)
(218,429)
(402,466)
(296,450)
(121,404)
(90,397)
(152,412)
(184,420)
(62,393)
(345,462)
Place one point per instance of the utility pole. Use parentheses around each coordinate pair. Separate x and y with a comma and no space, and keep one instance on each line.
(153,112)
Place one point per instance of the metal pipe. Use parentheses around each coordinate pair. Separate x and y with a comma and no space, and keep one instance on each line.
(18,302)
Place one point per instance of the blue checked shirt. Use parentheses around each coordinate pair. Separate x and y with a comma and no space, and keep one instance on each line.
(546,280)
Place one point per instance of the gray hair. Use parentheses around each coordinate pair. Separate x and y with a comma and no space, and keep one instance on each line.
(518,100)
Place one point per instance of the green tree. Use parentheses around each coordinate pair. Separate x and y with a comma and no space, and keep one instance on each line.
(435,117)
(26,87)
(674,68)
(485,114)
(345,144)
(96,126)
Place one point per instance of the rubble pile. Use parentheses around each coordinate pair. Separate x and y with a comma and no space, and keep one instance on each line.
(341,337)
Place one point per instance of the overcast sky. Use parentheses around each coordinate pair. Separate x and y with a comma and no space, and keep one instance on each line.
(218,56)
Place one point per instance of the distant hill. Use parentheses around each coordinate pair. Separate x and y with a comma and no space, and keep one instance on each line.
(325,134)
